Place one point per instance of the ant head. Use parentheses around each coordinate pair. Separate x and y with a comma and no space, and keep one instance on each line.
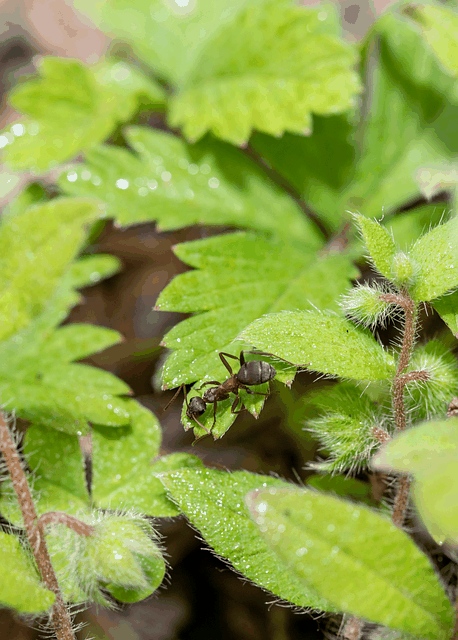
(196,407)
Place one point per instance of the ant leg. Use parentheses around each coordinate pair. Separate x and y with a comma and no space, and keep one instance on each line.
(205,384)
(225,362)
(183,386)
(271,355)
(204,428)
(215,404)
(235,404)
(255,393)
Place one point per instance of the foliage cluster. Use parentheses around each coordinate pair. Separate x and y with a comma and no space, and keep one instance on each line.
(276,127)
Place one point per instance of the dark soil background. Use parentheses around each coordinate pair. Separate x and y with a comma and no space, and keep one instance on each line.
(202,598)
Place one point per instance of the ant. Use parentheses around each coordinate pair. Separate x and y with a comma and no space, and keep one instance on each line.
(250,373)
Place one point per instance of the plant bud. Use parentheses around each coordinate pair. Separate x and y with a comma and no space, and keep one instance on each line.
(403,269)
(119,557)
(430,398)
(364,305)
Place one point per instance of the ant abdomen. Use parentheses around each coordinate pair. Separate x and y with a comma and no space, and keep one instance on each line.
(256,372)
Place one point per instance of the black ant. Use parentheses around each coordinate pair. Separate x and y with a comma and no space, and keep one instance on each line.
(250,373)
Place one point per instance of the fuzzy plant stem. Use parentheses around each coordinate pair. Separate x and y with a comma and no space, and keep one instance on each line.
(406,303)
(59,616)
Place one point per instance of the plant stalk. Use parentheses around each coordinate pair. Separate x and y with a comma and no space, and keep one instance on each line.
(59,615)
(400,380)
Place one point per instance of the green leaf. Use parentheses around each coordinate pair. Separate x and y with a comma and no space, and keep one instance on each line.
(439,27)
(167,36)
(179,185)
(125,463)
(56,458)
(261,72)
(240,277)
(435,257)
(373,570)
(214,503)
(36,248)
(341,486)
(373,164)
(69,109)
(407,227)
(429,452)
(317,166)
(89,270)
(66,396)
(23,590)
(447,307)
(323,341)
(345,428)
(379,243)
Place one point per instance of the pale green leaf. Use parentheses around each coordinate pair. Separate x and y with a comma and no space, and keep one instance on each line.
(179,185)
(379,243)
(447,307)
(36,248)
(372,569)
(167,36)
(322,340)
(262,73)
(213,501)
(22,590)
(439,27)
(435,256)
(125,463)
(408,226)
(429,451)
(69,109)
(373,164)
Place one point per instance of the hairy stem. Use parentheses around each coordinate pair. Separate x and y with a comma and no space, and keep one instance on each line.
(406,303)
(59,615)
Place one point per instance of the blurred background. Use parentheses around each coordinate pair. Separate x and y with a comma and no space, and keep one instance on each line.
(202,598)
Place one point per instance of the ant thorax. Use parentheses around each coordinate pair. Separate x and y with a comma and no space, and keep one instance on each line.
(211,395)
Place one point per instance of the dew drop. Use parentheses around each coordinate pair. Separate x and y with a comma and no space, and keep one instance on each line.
(121,183)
